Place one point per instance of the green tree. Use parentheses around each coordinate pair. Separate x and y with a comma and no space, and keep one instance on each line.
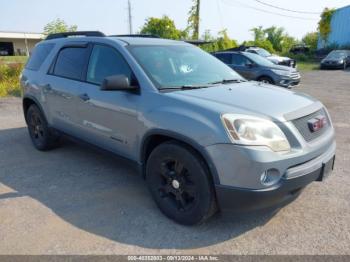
(273,39)
(324,25)
(287,43)
(193,20)
(258,33)
(163,27)
(311,40)
(212,47)
(224,41)
(276,36)
(219,43)
(59,26)
(266,44)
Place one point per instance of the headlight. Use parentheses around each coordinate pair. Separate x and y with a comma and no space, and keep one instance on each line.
(249,130)
(340,61)
(281,72)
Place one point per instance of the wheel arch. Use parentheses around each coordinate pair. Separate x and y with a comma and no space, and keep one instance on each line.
(27,101)
(156,137)
(266,76)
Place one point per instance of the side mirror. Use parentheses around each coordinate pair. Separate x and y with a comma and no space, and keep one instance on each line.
(116,82)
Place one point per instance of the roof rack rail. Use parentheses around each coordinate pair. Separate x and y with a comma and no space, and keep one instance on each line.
(137,35)
(241,48)
(78,33)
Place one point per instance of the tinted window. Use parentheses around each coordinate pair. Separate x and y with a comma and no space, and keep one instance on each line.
(38,56)
(257,59)
(106,61)
(71,62)
(240,60)
(226,58)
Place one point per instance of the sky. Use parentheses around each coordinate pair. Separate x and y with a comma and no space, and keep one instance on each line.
(110,16)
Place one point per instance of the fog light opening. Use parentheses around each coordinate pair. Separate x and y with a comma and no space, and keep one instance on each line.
(270,177)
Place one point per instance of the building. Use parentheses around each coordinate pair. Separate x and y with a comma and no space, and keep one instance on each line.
(340,29)
(18,43)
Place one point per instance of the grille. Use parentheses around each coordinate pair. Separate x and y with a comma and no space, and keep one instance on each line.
(302,125)
(295,75)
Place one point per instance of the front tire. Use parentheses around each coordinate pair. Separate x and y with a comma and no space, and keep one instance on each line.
(266,80)
(180,183)
(42,137)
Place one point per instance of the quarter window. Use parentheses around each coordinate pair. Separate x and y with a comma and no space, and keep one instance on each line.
(71,63)
(38,56)
(106,61)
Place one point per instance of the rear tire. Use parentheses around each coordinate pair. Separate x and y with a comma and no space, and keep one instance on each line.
(180,183)
(42,137)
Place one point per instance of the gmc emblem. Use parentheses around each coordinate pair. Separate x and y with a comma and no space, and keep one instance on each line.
(317,123)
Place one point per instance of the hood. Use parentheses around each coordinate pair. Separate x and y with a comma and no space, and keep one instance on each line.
(278,58)
(332,59)
(282,67)
(248,98)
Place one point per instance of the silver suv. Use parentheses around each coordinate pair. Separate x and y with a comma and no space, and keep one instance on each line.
(203,137)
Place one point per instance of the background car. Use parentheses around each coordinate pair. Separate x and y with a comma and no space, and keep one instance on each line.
(255,67)
(337,59)
(278,60)
(299,49)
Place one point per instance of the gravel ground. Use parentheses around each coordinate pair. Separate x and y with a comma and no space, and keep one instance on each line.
(76,200)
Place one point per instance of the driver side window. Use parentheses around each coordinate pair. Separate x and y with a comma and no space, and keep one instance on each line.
(106,61)
(240,60)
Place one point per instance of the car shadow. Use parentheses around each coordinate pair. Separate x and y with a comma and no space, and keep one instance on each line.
(104,195)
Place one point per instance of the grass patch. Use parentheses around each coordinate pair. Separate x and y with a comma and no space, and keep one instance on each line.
(308,66)
(13,59)
(10,70)
(9,79)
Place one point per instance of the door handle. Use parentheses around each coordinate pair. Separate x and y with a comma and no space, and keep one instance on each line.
(84,97)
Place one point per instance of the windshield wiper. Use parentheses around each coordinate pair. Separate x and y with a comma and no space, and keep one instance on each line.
(228,81)
(186,87)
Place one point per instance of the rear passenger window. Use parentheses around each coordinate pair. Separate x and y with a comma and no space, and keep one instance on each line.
(226,58)
(71,62)
(106,61)
(38,56)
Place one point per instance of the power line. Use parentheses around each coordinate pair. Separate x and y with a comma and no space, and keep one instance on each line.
(243,5)
(286,9)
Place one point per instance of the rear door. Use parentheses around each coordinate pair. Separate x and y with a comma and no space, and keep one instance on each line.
(109,119)
(63,86)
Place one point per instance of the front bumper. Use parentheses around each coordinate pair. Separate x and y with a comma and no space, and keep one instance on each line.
(332,66)
(288,82)
(286,190)
(240,168)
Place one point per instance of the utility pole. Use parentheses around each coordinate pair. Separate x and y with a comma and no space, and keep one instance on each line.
(129,17)
(196,27)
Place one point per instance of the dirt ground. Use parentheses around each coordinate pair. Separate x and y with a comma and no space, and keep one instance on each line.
(76,200)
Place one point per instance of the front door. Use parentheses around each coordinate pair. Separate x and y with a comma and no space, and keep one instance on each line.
(109,118)
(243,66)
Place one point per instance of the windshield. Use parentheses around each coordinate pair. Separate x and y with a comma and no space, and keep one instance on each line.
(337,54)
(180,65)
(259,59)
(262,52)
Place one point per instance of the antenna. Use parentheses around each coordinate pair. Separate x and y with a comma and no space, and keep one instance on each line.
(129,17)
